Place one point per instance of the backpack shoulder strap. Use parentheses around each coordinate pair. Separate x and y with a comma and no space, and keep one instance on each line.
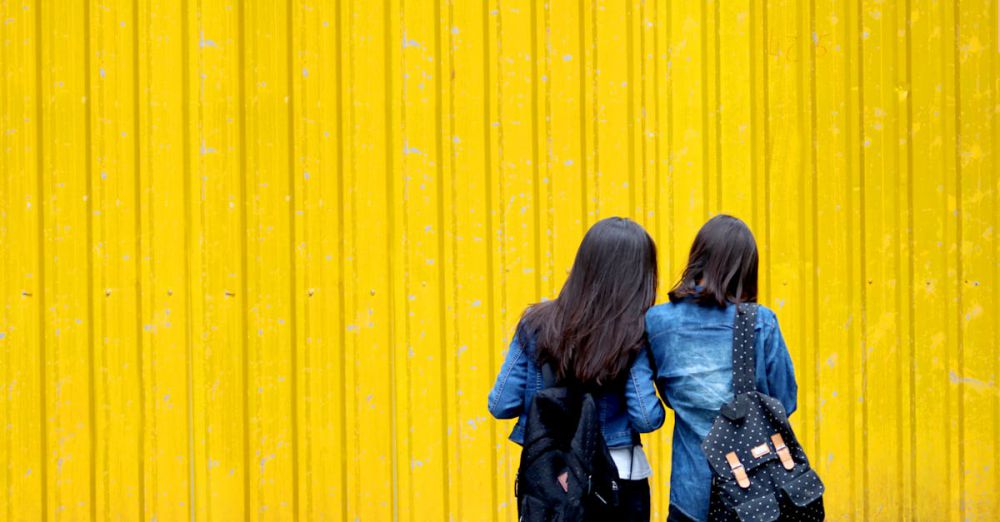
(744,355)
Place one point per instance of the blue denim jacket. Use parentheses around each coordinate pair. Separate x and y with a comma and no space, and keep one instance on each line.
(692,345)
(624,413)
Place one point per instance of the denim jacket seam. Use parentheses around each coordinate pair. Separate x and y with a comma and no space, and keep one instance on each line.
(642,405)
(503,383)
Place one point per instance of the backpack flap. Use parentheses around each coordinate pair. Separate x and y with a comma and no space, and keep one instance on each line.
(804,489)
(761,509)
(750,439)
(722,467)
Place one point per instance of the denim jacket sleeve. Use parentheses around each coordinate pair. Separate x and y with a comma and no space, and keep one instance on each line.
(645,412)
(780,373)
(506,400)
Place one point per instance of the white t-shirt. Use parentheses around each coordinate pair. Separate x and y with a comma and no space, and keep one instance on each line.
(631,462)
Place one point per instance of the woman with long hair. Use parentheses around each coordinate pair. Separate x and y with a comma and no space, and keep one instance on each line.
(593,335)
(691,338)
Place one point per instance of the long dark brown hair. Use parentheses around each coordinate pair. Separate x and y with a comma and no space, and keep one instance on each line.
(722,266)
(592,331)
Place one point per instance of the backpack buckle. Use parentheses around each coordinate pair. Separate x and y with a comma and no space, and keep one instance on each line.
(738,470)
(782,451)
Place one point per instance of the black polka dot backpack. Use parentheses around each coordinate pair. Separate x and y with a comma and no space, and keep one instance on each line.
(759,471)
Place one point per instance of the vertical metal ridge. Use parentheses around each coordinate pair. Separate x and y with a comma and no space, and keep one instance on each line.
(43,436)
(453,174)
(848,178)
(959,269)
(100,349)
(582,24)
(630,106)
(244,276)
(304,455)
(814,168)
(341,248)
(911,237)
(658,230)
(897,305)
(353,220)
(490,265)
(994,62)
(705,108)
(137,222)
(153,380)
(948,434)
(89,256)
(550,197)
(7,440)
(202,220)
(536,193)
(8,443)
(355,371)
(862,216)
(391,259)
(501,193)
(718,106)
(767,145)
(643,112)
(670,139)
(806,150)
(188,238)
(595,112)
(407,259)
(293,272)
(442,276)
(754,110)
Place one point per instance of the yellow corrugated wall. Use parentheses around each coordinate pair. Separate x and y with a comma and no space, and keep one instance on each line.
(261,259)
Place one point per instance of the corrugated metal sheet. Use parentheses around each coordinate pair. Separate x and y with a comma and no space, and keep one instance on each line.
(262,259)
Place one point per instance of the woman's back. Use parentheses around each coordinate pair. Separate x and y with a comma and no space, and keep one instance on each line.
(692,346)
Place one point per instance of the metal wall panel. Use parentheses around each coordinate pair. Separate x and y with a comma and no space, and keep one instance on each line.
(261,259)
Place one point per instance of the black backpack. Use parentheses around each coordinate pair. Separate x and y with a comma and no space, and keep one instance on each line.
(759,471)
(566,471)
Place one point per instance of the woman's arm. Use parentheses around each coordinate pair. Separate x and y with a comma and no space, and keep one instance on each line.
(645,412)
(506,400)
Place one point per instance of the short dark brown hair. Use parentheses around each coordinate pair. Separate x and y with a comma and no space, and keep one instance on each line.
(722,265)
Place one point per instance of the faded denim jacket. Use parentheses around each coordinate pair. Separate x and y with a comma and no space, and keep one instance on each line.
(692,345)
(624,413)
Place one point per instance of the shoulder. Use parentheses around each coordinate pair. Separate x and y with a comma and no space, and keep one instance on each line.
(526,333)
(685,314)
(766,318)
(767,325)
(661,317)
(663,311)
